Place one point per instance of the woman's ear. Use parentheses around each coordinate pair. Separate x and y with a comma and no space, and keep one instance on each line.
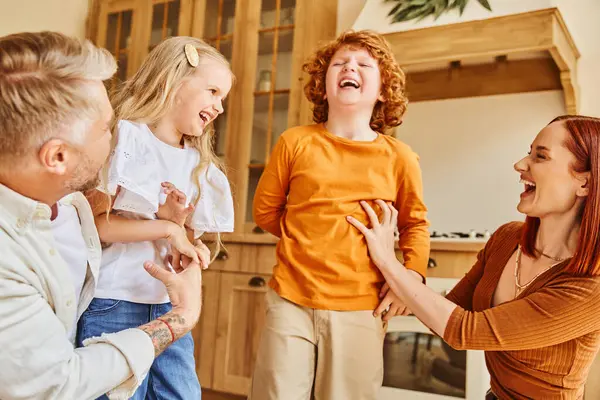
(584,189)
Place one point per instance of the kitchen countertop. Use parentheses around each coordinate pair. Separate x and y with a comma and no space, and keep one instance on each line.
(439,244)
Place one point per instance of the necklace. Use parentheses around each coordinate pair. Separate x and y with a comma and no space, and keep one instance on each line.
(557,259)
(518,286)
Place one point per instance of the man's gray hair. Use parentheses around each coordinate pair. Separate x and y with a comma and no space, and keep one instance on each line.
(43,82)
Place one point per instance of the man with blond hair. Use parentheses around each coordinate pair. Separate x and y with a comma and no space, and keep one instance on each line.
(54,137)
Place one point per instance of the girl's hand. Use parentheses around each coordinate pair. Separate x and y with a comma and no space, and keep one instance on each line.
(180,261)
(181,246)
(203,252)
(380,238)
(174,209)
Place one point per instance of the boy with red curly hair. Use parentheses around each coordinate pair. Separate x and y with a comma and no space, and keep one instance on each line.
(323,334)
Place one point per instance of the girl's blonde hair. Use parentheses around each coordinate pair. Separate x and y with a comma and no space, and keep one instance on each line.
(150,94)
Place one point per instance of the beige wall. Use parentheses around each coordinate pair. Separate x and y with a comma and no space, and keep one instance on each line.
(66,16)
(468,146)
(581,17)
(372,14)
(467,149)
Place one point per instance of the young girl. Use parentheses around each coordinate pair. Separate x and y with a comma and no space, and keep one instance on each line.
(162,159)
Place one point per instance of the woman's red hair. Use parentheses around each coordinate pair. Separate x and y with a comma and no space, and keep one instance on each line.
(584,143)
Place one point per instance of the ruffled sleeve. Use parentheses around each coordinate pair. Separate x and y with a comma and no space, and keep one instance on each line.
(214,211)
(132,169)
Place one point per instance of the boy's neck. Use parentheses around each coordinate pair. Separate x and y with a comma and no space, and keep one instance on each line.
(350,125)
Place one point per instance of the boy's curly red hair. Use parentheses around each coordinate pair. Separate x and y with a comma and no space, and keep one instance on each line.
(386,114)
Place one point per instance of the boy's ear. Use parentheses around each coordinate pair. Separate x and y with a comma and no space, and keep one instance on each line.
(381,98)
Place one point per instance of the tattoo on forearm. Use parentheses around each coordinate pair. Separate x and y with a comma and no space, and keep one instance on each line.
(161,335)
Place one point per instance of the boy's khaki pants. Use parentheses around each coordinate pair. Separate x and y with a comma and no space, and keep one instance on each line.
(317,354)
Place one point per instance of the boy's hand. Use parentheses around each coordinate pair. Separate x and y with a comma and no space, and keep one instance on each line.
(174,209)
(391,301)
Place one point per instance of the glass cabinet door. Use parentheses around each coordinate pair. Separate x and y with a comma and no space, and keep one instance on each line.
(114,34)
(272,88)
(218,32)
(165,21)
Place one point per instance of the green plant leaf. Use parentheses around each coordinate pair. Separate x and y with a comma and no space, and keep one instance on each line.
(406,10)
(486,4)
(401,16)
(411,11)
(395,10)
(416,12)
(462,4)
(426,12)
(402,6)
(439,6)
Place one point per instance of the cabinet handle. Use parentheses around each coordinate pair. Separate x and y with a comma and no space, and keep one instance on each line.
(431,263)
(256,281)
(258,229)
(222,256)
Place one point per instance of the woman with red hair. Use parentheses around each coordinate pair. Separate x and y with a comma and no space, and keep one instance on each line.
(532,299)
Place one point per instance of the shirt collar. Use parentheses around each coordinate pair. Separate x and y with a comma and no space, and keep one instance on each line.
(21,210)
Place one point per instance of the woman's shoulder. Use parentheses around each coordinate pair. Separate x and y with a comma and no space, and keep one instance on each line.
(504,239)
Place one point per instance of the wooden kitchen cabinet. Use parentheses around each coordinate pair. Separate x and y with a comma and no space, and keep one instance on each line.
(227,335)
(239,324)
(204,333)
(451,264)
(271,40)
(117,22)
(266,42)
(129,29)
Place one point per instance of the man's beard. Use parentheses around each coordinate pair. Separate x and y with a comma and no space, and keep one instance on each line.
(85,176)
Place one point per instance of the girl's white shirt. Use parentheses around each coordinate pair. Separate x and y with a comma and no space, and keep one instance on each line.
(138,165)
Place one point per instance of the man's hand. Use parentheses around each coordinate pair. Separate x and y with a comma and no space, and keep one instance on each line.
(185,291)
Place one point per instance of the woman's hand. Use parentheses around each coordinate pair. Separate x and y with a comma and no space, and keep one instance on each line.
(380,238)
(391,305)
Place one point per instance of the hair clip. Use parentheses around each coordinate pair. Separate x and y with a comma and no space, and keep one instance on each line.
(191,54)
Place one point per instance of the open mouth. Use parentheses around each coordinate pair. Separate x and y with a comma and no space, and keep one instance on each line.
(206,117)
(529,186)
(349,83)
